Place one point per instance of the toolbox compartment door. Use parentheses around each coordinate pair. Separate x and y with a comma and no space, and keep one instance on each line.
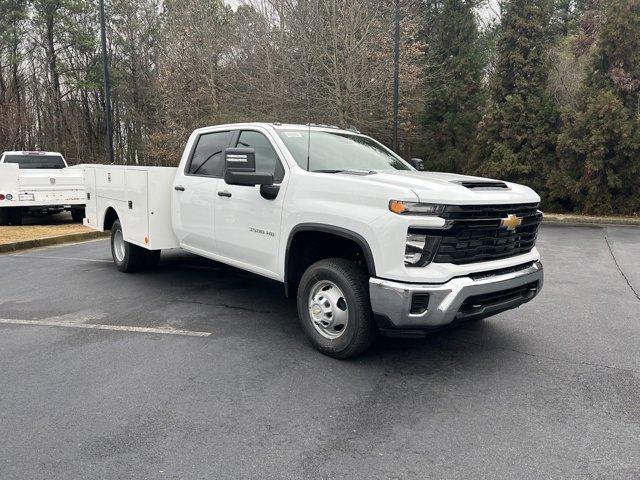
(136,225)
(9,179)
(91,206)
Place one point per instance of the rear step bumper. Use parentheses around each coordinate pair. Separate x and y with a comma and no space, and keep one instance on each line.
(412,309)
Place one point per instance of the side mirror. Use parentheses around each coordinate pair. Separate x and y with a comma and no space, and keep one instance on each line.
(417,163)
(240,168)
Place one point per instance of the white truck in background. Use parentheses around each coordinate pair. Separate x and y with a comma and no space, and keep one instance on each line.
(366,241)
(39,183)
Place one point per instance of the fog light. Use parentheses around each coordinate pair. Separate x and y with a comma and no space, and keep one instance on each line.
(419,303)
(9,196)
(420,249)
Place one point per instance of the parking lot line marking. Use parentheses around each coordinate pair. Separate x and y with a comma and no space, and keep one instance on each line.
(97,326)
(95,260)
(62,258)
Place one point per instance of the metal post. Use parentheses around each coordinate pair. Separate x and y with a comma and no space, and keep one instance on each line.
(107,88)
(396,75)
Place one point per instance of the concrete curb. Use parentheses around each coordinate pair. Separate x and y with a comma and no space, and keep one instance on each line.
(45,242)
(573,220)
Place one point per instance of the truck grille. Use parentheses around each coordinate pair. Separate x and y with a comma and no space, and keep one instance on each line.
(473,233)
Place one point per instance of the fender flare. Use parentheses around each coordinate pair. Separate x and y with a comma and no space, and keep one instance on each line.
(339,231)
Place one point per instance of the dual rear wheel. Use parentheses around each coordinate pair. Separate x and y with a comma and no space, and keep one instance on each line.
(77,214)
(15,216)
(129,257)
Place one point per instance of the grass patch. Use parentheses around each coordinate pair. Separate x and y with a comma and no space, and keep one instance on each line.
(11,234)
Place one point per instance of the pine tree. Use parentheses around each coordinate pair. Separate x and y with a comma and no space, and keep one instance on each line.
(454,97)
(599,170)
(516,139)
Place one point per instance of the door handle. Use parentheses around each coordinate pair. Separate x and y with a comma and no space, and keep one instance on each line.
(179,188)
(224,194)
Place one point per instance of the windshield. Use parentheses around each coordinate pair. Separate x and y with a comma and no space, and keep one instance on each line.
(336,152)
(36,161)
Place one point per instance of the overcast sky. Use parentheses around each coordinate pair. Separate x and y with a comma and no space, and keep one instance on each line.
(487,13)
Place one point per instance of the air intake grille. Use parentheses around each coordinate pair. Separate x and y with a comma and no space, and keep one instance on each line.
(496,299)
(473,233)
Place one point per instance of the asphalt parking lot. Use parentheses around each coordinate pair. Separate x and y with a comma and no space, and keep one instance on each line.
(550,390)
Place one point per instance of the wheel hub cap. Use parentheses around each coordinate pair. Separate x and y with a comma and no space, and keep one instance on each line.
(328,309)
(118,245)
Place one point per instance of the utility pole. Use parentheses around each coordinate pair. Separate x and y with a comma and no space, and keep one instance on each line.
(107,88)
(396,75)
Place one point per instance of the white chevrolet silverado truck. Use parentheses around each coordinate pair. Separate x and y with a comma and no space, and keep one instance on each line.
(40,183)
(367,243)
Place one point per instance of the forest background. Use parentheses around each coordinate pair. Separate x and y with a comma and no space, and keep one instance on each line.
(541,92)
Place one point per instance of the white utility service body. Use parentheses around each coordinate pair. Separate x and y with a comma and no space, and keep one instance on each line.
(39,187)
(435,248)
(139,196)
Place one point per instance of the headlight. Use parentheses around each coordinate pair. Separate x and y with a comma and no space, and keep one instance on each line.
(415,208)
(420,249)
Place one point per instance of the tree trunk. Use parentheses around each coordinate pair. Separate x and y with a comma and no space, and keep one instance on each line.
(52,62)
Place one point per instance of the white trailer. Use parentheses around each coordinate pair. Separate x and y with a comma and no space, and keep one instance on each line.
(40,183)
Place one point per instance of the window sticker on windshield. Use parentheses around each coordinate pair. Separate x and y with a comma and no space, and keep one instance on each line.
(293,134)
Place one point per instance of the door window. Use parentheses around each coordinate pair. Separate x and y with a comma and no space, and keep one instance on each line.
(208,154)
(267,160)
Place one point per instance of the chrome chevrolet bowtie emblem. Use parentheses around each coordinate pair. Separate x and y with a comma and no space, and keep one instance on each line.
(511,222)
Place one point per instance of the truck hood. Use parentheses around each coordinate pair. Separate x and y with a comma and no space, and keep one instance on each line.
(30,178)
(436,187)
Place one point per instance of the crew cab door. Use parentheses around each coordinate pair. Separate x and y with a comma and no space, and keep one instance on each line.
(248,219)
(195,192)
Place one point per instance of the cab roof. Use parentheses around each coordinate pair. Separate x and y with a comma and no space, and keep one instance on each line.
(283,126)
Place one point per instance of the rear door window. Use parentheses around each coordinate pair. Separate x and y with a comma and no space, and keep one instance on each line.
(208,154)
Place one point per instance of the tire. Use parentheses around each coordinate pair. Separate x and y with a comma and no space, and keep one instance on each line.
(77,214)
(128,257)
(320,286)
(152,259)
(15,216)
(4,216)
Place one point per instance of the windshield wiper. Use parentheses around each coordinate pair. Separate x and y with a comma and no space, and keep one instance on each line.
(354,171)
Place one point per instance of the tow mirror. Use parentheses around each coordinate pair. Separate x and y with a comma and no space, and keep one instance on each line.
(240,168)
(417,163)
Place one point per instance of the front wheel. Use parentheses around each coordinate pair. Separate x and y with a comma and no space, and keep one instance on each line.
(128,257)
(334,308)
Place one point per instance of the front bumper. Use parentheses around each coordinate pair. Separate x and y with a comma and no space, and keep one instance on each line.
(459,299)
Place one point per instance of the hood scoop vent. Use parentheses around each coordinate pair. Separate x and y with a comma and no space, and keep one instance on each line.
(483,185)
